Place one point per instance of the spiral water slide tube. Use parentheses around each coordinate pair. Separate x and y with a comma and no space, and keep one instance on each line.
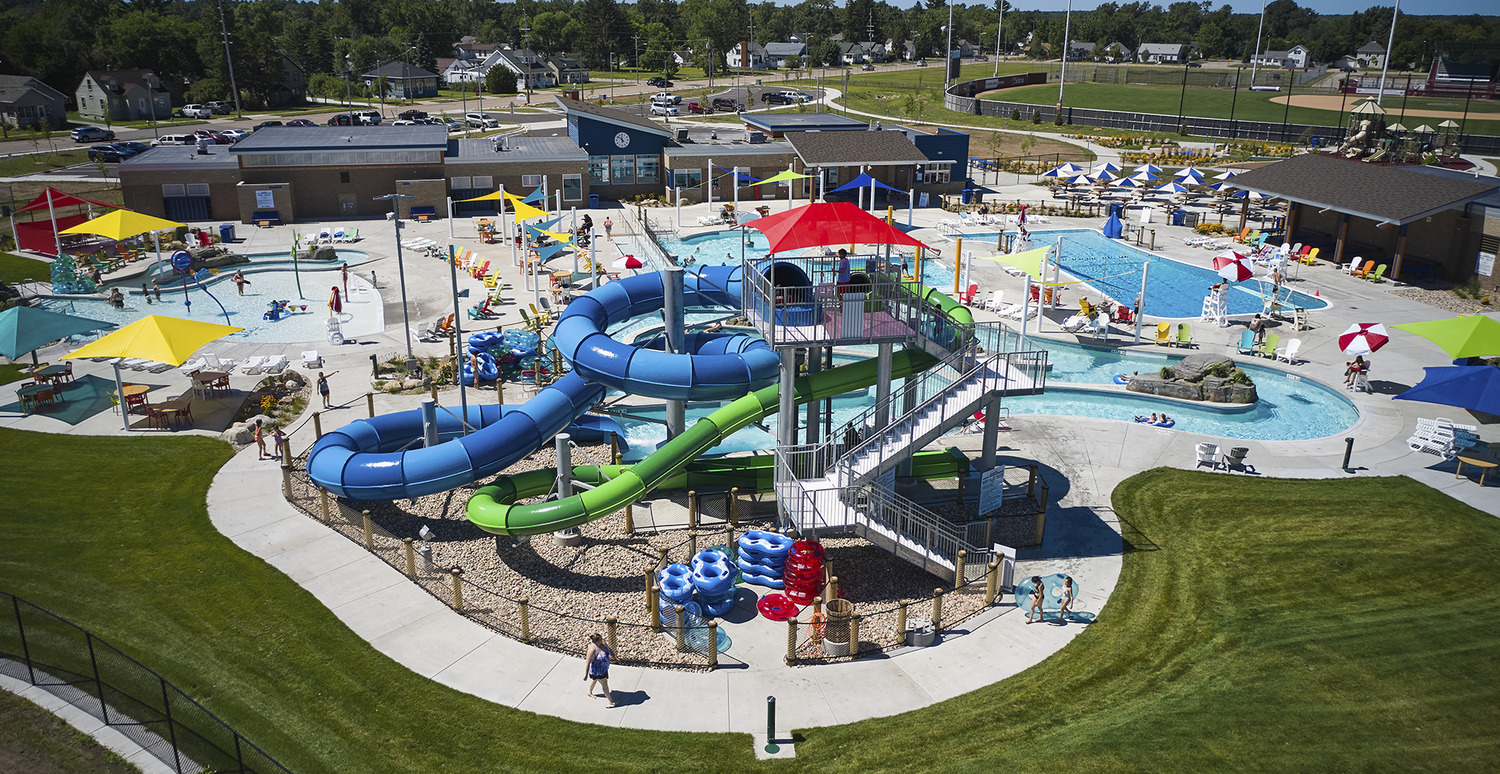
(493,507)
(369,459)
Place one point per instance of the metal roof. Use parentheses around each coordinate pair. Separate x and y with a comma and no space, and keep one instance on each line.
(1394,195)
(280,139)
(851,148)
(612,116)
(801,122)
(522,149)
(180,157)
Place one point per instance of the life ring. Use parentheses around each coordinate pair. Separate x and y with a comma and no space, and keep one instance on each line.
(714,580)
(1122,379)
(676,589)
(776,607)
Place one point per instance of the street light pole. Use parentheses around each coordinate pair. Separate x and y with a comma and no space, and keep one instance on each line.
(999,34)
(394,199)
(348,95)
(1385,62)
(152,84)
(1182,100)
(1062,73)
(228,57)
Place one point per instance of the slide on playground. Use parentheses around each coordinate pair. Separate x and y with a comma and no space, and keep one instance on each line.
(672,465)
(381,458)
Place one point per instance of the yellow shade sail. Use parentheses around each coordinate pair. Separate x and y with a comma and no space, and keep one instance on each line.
(170,340)
(564,238)
(1029,261)
(781,177)
(122,224)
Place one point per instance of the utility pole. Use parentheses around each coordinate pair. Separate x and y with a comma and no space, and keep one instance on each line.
(999,34)
(1255,55)
(228,57)
(637,39)
(1385,64)
(948,63)
(1062,74)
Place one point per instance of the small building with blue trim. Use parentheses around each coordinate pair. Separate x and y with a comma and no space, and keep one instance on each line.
(624,150)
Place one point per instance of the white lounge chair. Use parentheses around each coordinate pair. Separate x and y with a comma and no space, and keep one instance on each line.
(1289,352)
(252,365)
(1208,454)
(274,364)
(311,359)
(215,362)
(1075,323)
(196,364)
(993,303)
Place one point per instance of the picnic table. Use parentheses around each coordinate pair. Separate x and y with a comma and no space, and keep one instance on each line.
(54,374)
(206,381)
(1482,457)
(33,394)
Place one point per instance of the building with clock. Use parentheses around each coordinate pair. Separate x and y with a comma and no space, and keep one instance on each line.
(624,150)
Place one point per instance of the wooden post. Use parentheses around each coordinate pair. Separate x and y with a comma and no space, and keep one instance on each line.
(937,610)
(369,531)
(817,605)
(525,604)
(958,569)
(662,562)
(991,582)
(317,424)
(692,545)
(734,507)
(681,632)
(458,589)
(370,402)
(610,625)
(411,557)
(653,597)
(791,639)
(286,482)
(729,546)
(1041,518)
(692,509)
(901,624)
(713,645)
(854,636)
(629,518)
(614,447)
(833,589)
(434,390)
(323,504)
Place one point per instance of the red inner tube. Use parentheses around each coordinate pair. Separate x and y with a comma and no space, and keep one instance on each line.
(776,607)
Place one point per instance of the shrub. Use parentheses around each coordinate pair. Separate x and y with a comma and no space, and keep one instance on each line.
(1036,116)
(1015,114)
(1166,372)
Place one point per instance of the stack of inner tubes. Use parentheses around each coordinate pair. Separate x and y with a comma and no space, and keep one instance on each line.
(714,578)
(676,582)
(478,354)
(804,572)
(762,557)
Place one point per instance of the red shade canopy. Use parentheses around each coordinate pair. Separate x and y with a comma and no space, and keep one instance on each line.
(826,224)
(1231,266)
(1363,338)
(60,199)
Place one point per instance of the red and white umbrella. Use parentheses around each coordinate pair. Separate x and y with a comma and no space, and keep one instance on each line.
(1363,338)
(628,262)
(1233,266)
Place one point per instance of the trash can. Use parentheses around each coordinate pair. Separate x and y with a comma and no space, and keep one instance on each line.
(593,201)
(226,233)
(968,194)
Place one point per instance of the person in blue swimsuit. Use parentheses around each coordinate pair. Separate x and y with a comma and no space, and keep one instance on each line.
(596,669)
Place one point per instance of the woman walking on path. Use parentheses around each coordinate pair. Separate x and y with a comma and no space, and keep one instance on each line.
(1038,593)
(609,226)
(323,389)
(596,666)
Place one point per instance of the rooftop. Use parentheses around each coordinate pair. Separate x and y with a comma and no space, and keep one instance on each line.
(847,148)
(183,157)
(323,138)
(728,149)
(801,122)
(522,148)
(612,116)
(1394,195)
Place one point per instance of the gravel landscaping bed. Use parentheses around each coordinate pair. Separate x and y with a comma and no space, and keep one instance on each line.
(1442,299)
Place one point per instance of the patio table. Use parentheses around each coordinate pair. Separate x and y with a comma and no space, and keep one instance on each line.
(31,394)
(53,374)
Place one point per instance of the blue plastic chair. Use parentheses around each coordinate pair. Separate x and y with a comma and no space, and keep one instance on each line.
(1247,342)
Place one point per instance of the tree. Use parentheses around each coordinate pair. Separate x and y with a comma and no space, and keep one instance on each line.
(604,30)
(149,41)
(794,63)
(500,80)
(657,57)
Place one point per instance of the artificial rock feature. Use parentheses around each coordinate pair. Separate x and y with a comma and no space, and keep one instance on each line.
(1193,379)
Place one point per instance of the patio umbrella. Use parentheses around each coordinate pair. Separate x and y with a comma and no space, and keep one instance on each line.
(1228,173)
(1472,335)
(1129,182)
(1062,170)
(1078,180)
(1363,338)
(1105,175)
(1172,187)
(25,329)
(1148,168)
(1144,177)
(628,262)
(1220,186)
(1476,388)
(828,223)
(1189,172)
(170,340)
(1233,267)
(1110,166)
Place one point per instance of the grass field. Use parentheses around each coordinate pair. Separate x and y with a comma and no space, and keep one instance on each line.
(1258,624)
(17,268)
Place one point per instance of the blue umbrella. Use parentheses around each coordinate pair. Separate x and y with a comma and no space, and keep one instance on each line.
(1076,179)
(1062,170)
(1113,228)
(1190,172)
(1129,182)
(1105,175)
(1173,187)
(1148,168)
(1476,388)
(1221,186)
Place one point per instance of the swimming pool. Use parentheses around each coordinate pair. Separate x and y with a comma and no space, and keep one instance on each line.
(1174,289)
(258,262)
(244,311)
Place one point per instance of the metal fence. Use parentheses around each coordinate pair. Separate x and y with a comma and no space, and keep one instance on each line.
(960,98)
(69,662)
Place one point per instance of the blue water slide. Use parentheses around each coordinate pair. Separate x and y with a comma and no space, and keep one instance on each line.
(382,458)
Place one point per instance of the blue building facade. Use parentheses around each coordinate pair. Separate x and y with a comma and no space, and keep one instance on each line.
(624,150)
(948,151)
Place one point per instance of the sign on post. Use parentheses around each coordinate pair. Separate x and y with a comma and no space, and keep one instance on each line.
(991,490)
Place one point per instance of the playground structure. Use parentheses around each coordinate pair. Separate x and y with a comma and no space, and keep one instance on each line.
(827,480)
(1371,139)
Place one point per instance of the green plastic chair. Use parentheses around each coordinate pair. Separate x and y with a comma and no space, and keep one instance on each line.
(1379,275)
(1185,335)
(1268,348)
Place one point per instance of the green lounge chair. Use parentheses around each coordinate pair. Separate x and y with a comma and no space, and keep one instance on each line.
(1268,348)
(1185,335)
(1379,275)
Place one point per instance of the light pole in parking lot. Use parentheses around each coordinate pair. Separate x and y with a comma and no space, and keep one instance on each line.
(229,58)
(152,84)
(394,199)
(348,95)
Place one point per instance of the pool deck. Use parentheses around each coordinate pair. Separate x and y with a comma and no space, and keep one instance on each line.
(1083,459)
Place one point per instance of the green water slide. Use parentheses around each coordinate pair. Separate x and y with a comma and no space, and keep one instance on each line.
(493,508)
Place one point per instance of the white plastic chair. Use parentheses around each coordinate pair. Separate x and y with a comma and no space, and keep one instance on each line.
(1208,454)
(1289,352)
(311,359)
(252,365)
(273,365)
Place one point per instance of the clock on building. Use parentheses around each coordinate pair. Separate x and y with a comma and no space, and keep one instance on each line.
(622,139)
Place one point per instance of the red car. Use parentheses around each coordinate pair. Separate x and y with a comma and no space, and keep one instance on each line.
(694,107)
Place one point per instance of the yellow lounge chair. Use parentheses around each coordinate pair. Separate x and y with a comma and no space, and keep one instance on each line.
(1164,334)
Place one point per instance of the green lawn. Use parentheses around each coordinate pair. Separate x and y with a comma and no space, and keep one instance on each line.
(15,372)
(35,740)
(162,121)
(1247,105)
(67,154)
(18,268)
(1259,624)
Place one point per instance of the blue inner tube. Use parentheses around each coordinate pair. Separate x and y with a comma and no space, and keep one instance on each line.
(1120,379)
(763,580)
(1168,423)
(678,590)
(748,566)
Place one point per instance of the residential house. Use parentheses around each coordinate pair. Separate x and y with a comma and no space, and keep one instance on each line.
(907,49)
(123,95)
(851,53)
(26,102)
(293,88)
(468,49)
(1160,53)
(567,68)
(530,67)
(1079,50)
(683,58)
(1371,55)
(746,55)
(778,53)
(875,52)
(403,80)
(1296,57)
(462,70)
(1116,52)
(800,37)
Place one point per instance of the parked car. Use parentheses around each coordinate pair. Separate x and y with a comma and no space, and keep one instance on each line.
(663,109)
(216,138)
(109,153)
(481,120)
(659,82)
(343,119)
(453,124)
(667,97)
(1194,64)
(408,115)
(726,105)
(694,107)
(219,108)
(300,122)
(91,134)
(368,117)
(138,147)
(798,96)
(264,124)
(195,111)
(867,67)
(234,135)
(174,139)
(921,62)
(777,98)
(407,122)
